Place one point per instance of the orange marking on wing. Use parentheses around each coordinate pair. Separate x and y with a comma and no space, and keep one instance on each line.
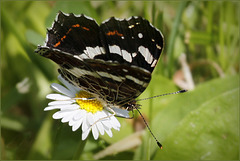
(85,28)
(115,32)
(63,37)
(57,44)
(73,26)
(69,30)
(77,25)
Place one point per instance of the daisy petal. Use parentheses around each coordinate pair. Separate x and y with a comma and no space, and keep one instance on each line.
(95,132)
(79,114)
(70,107)
(117,128)
(99,124)
(109,132)
(60,102)
(60,89)
(85,134)
(90,118)
(85,124)
(101,114)
(57,97)
(71,87)
(62,107)
(68,117)
(115,122)
(77,125)
(51,108)
(100,127)
(72,122)
(61,114)
(107,123)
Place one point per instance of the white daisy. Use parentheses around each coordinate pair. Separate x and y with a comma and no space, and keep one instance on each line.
(77,110)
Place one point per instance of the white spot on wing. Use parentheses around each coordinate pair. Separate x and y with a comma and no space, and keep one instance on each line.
(107,75)
(126,56)
(154,63)
(140,35)
(125,70)
(80,72)
(159,47)
(135,80)
(115,49)
(102,50)
(131,26)
(134,54)
(92,52)
(146,54)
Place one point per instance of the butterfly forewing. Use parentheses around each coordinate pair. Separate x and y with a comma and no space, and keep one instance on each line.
(133,41)
(64,35)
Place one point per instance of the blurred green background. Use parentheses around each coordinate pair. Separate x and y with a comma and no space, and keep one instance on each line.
(201,54)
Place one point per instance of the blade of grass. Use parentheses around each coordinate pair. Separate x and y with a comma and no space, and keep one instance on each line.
(221,37)
(8,23)
(173,36)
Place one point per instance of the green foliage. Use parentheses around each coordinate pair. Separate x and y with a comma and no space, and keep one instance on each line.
(209,132)
(201,124)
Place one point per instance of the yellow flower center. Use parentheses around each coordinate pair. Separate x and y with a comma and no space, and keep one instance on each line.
(91,105)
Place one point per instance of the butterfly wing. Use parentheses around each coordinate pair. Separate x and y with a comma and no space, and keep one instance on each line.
(113,61)
(132,41)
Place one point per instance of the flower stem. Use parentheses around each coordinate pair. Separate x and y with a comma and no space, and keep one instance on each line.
(79,150)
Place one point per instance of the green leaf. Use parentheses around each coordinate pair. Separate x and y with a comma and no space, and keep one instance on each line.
(169,118)
(209,132)
(169,122)
(67,144)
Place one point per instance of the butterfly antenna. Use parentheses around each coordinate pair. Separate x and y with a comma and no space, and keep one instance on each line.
(158,143)
(181,91)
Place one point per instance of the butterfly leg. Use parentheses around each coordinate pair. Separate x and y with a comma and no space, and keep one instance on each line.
(90,98)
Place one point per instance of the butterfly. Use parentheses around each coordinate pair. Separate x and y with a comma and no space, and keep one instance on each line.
(113,61)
